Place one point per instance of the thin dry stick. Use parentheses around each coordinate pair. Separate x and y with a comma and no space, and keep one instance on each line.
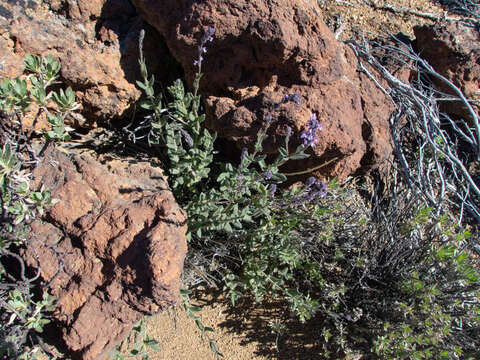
(439,172)
(311,169)
(426,15)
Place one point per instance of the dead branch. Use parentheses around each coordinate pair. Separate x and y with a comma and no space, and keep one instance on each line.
(437,169)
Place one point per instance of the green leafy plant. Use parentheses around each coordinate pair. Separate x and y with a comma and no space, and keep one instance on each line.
(440,306)
(278,329)
(241,205)
(193,312)
(392,281)
(25,311)
(189,147)
(18,96)
(23,316)
(138,344)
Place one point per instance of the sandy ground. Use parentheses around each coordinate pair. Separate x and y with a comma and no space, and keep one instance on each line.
(386,16)
(242,332)
(181,339)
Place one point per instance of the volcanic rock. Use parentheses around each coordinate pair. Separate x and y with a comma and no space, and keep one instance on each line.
(264,51)
(96,43)
(111,249)
(453,50)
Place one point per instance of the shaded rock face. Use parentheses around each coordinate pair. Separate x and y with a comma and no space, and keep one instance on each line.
(96,43)
(265,50)
(453,50)
(112,248)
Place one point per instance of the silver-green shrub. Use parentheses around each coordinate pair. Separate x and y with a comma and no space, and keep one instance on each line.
(23,313)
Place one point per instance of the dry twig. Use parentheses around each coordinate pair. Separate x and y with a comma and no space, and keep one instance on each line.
(438,166)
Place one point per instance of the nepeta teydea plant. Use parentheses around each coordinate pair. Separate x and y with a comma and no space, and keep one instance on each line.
(243,205)
(381,287)
(177,127)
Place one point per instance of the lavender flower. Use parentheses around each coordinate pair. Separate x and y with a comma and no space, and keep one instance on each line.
(317,189)
(207,36)
(310,181)
(309,136)
(313,189)
(288,132)
(199,61)
(267,175)
(287,98)
(244,153)
(296,99)
(243,156)
(272,189)
(291,97)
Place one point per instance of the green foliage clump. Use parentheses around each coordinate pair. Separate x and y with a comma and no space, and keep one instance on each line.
(137,343)
(405,287)
(24,314)
(240,205)
(18,95)
(178,127)
(440,304)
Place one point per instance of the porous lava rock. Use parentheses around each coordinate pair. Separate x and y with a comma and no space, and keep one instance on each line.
(265,49)
(111,249)
(96,43)
(453,50)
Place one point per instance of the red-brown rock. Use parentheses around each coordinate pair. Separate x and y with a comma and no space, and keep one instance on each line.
(96,43)
(453,50)
(112,248)
(262,52)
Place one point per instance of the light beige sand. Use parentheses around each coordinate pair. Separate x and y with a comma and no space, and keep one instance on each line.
(360,16)
(184,342)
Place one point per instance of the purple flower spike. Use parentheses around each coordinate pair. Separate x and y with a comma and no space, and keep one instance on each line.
(288,133)
(244,155)
(199,61)
(310,181)
(207,36)
(309,136)
(291,97)
(267,175)
(272,189)
(314,189)
(296,98)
